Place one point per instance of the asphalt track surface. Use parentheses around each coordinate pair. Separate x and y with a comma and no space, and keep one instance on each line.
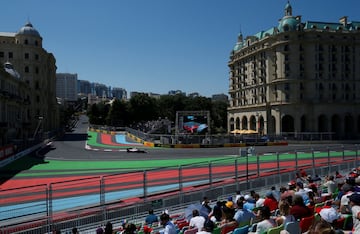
(72,147)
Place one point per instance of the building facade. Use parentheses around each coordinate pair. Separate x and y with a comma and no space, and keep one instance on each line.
(66,86)
(297,78)
(36,67)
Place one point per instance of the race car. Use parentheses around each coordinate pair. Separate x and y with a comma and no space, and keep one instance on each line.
(135,150)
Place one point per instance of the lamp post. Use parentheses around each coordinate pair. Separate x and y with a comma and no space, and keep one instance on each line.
(40,119)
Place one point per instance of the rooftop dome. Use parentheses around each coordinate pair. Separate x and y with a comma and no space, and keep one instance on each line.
(288,24)
(28,29)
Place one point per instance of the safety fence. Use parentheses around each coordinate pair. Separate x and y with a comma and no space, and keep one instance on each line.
(129,195)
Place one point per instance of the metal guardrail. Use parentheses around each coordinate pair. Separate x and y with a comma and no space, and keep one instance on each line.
(89,202)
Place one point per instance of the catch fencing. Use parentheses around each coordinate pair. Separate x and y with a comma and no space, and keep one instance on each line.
(88,202)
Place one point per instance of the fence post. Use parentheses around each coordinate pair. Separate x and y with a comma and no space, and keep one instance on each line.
(278,162)
(296,161)
(313,160)
(236,174)
(210,174)
(180,179)
(356,154)
(328,149)
(258,165)
(102,196)
(343,152)
(247,171)
(145,184)
(49,207)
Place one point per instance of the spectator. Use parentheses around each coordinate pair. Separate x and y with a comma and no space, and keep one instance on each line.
(99,230)
(266,222)
(285,216)
(302,192)
(208,227)
(229,212)
(108,228)
(344,201)
(216,213)
(355,210)
(205,203)
(330,215)
(129,228)
(197,220)
(169,227)
(299,210)
(271,202)
(330,185)
(238,195)
(259,201)
(275,193)
(249,204)
(151,218)
(243,215)
(320,227)
(74,230)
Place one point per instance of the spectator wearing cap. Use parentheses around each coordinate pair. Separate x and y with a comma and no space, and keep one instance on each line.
(208,227)
(243,215)
(355,210)
(330,215)
(228,212)
(299,210)
(270,201)
(248,204)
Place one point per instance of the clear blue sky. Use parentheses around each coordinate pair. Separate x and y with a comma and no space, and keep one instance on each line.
(156,45)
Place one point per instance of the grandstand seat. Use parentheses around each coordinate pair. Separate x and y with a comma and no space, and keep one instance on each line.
(241,230)
(229,228)
(191,231)
(217,230)
(348,223)
(293,227)
(306,222)
(275,230)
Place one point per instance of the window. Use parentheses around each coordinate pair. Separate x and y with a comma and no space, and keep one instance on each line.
(26,56)
(1,54)
(26,42)
(36,57)
(10,55)
(26,69)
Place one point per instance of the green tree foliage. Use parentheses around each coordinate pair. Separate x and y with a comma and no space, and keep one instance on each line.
(141,108)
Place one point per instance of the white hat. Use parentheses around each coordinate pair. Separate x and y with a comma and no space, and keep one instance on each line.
(329,214)
(247,197)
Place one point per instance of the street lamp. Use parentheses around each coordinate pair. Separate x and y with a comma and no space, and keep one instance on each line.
(40,118)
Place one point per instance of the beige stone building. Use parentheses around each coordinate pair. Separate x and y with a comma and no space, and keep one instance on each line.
(299,78)
(37,70)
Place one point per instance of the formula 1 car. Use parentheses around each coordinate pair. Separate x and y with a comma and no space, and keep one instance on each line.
(135,150)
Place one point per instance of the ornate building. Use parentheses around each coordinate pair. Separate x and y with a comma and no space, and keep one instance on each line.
(37,70)
(297,78)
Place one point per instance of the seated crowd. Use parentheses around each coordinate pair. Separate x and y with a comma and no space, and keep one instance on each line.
(310,204)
